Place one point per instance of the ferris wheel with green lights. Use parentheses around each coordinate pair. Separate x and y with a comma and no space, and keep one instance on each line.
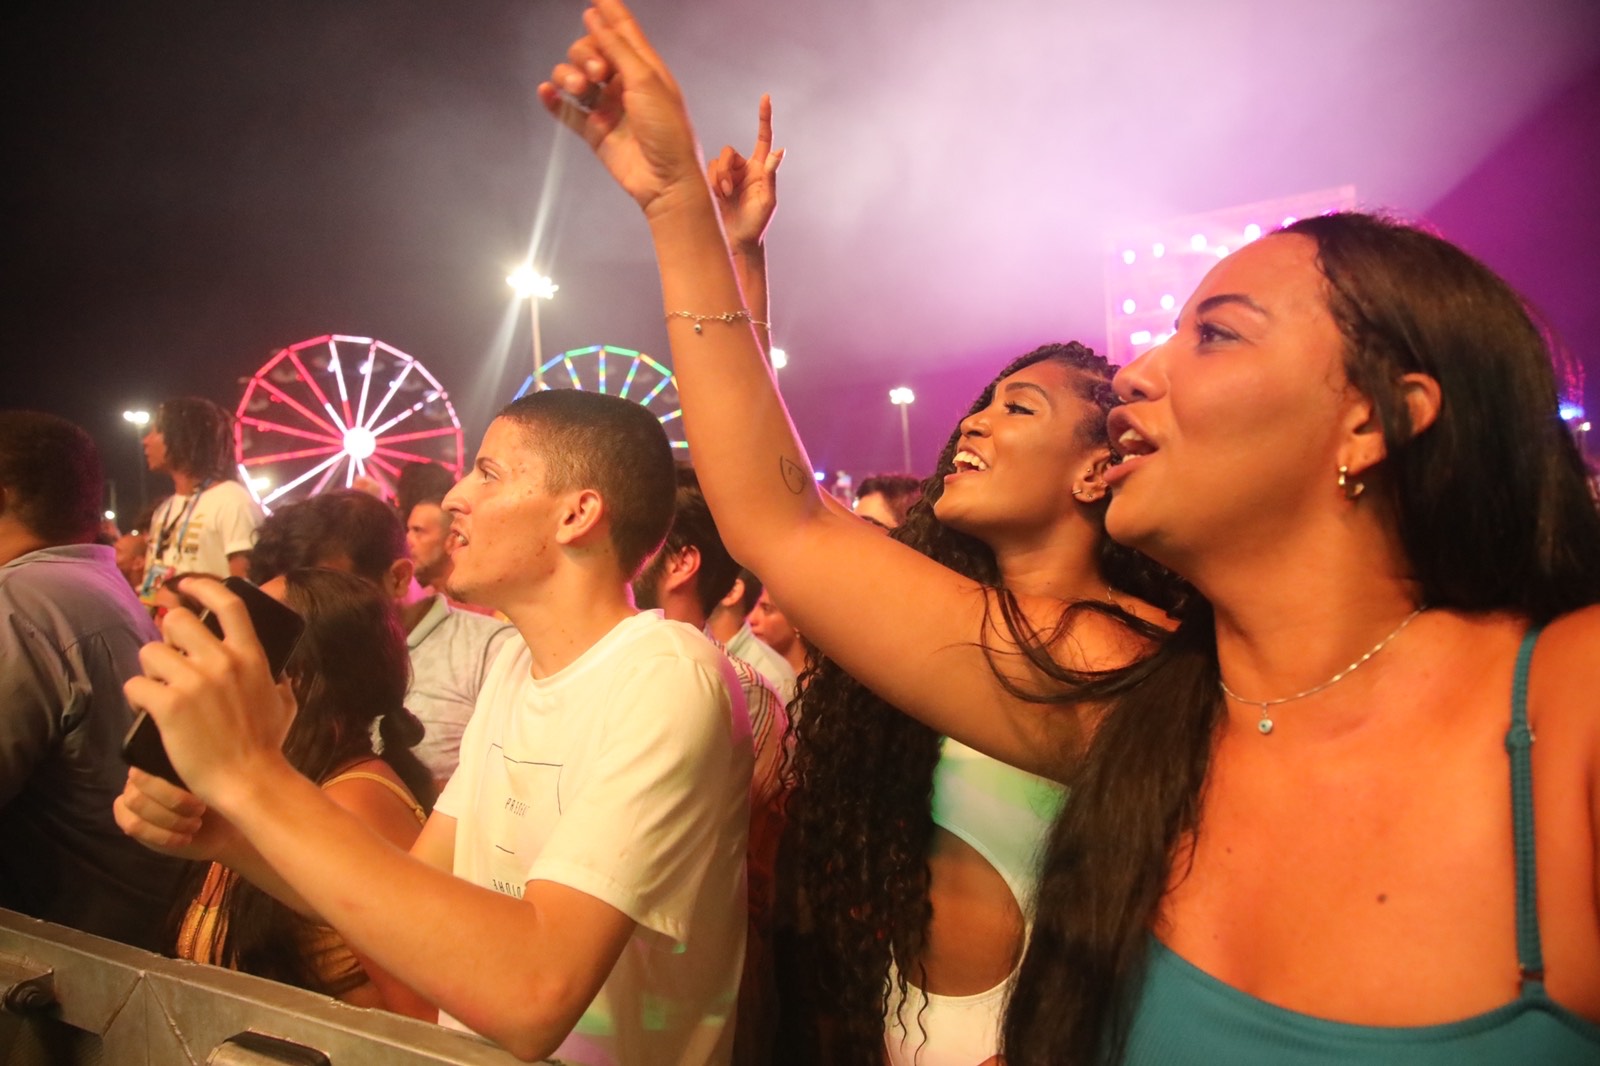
(620,372)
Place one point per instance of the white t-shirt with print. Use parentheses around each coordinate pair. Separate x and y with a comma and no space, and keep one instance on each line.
(626,776)
(199,539)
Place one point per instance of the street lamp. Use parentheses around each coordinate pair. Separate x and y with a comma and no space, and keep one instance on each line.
(903,398)
(533,286)
(140,421)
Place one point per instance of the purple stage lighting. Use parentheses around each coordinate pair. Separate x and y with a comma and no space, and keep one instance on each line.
(1143,294)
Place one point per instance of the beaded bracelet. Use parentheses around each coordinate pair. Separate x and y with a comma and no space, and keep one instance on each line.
(729,317)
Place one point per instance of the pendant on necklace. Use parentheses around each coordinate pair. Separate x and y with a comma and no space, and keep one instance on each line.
(1265,725)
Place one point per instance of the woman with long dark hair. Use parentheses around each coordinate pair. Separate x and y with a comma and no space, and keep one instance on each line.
(349,675)
(1304,830)
(914,854)
(1318,827)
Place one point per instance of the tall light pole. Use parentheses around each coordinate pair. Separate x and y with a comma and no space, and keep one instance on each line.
(533,286)
(140,421)
(903,398)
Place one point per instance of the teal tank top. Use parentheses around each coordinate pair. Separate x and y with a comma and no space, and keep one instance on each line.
(1185,1015)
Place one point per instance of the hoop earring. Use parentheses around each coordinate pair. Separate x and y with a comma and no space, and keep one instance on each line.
(1350,486)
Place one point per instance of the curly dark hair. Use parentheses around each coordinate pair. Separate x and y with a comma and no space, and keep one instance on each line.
(199,437)
(861,813)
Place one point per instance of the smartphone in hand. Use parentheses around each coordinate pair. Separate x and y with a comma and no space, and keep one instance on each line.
(278,628)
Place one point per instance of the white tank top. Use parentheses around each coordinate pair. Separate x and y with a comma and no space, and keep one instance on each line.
(1004,814)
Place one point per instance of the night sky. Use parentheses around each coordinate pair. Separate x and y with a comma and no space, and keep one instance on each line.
(190,186)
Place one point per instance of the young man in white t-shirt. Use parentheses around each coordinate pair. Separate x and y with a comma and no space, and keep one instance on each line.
(596,826)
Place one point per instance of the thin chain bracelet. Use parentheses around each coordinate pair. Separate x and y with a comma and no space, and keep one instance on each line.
(729,317)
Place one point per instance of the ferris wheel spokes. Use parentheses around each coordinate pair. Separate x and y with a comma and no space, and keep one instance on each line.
(278,427)
(394,387)
(401,417)
(329,464)
(311,381)
(366,384)
(653,393)
(396,453)
(310,415)
(304,453)
(423,434)
(651,377)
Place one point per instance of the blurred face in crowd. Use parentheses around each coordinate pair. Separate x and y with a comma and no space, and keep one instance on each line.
(428,538)
(875,505)
(768,623)
(131,549)
(155,449)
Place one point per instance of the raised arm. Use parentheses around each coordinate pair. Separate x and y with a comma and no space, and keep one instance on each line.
(904,625)
(746,191)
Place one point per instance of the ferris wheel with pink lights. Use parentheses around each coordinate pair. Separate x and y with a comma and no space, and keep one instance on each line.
(328,411)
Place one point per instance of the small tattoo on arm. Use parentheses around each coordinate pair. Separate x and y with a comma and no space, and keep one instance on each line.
(793,477)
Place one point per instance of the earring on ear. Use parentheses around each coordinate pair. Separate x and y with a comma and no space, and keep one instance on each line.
(1350,486)
(1087,495)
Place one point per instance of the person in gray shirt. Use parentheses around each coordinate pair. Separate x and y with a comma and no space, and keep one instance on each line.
(70,633)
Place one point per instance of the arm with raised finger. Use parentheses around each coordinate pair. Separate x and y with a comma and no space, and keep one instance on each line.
(747,195)
(907,627)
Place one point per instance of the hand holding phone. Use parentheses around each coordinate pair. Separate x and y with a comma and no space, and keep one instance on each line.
(276,626)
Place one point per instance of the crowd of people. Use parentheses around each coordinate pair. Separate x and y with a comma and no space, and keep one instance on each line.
(1233,705)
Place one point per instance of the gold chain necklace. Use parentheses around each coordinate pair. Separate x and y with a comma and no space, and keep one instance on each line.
(1265,725)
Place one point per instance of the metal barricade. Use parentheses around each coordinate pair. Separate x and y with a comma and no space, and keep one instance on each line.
(71,999)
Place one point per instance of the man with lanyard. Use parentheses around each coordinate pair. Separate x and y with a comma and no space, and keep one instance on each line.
(208,525)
